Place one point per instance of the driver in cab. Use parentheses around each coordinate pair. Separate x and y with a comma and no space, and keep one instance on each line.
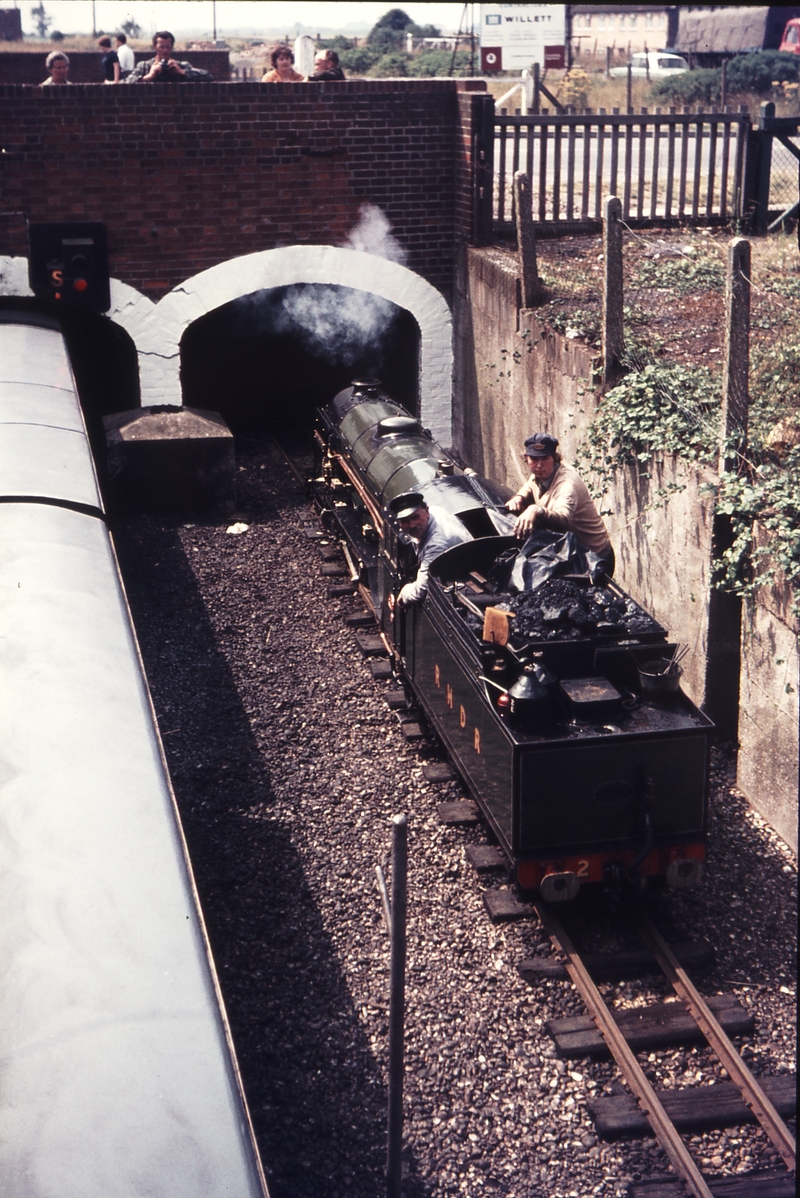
(431,531)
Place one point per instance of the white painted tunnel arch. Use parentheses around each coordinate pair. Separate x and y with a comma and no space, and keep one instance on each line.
(156,329)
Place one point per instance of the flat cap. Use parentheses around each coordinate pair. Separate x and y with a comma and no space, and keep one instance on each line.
(403,506)
(541,445)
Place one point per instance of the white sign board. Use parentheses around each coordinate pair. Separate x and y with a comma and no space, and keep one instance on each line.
(514,36)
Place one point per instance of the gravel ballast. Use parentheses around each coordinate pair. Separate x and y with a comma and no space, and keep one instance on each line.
(287,767)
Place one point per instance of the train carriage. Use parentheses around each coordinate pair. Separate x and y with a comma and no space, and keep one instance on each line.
(117,1071)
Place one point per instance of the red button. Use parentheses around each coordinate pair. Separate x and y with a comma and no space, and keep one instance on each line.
(80,284)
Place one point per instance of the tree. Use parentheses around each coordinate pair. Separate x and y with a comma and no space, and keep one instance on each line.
(389,30)
(131,27)
(41,19)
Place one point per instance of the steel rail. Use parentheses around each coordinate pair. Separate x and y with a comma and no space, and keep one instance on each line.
(705,1019)
(301,478)
(373,511)
(666,1133)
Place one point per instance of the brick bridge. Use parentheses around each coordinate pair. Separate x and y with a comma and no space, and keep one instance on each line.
(210,192)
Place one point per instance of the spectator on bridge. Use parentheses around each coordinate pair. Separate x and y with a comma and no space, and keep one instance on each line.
(109,62)
(57,64)
(555,497)
(283,71)
(164,68)
(326,66)
(125,55)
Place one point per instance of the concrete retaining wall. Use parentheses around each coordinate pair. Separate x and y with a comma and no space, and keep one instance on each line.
(514,375)
(769,711)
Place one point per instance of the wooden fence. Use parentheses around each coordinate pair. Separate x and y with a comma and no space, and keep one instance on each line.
(669,168)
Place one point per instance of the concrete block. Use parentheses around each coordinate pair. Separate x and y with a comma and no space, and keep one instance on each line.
(769,718)
(170,459)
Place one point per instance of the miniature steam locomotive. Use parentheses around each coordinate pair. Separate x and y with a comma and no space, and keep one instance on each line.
(556,704)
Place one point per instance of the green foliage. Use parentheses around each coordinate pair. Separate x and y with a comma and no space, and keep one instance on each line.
(582,322)
(662,409)
(390,29)
(390,66)
(657,410)
(689,87)
(774,389)
(745,74)
(56,36)
(432,63)
(359,60)
(757,72)
(389,33)
(681,275)
(337,42)
(769,495)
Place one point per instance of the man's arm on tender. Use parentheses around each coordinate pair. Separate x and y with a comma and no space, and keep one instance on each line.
(562,500)
(522,497)
(415,592)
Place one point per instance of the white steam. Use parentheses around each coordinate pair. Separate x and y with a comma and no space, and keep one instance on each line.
(373,235)
(342,324)
(337,324)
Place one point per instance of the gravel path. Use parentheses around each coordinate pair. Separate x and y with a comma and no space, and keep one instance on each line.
(287,767)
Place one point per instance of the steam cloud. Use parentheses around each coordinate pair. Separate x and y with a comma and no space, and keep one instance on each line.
(341,324)
(373,235)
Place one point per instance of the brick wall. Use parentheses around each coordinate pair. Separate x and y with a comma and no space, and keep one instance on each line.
(25,66)
(188,177)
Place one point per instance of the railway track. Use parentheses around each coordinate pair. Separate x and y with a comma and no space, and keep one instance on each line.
(660,1115)
(287,769)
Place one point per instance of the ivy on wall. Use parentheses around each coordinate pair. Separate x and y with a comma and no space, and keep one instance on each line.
(661,409)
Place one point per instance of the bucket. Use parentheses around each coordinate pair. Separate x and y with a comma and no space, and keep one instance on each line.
(660,677)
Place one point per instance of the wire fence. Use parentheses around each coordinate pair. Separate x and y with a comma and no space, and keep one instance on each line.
(783,180)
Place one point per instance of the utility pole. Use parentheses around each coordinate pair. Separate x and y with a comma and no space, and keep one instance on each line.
(94,18)
(214,9)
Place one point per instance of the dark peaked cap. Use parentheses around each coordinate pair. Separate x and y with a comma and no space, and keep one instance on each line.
(541,445)
(403,506)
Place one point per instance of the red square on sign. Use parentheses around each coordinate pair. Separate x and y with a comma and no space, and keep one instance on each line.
(491,58)
(554,56)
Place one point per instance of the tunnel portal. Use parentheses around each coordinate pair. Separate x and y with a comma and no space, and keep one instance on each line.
(267,359)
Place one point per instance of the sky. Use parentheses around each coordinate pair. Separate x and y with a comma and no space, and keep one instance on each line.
(196,16)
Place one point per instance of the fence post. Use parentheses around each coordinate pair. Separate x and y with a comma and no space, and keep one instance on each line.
(608,60)
(764,168)
(629,94)
(526,240)
(612,288)
(397,993)
(723,638)
(736,364)
(535,105)
(482,168)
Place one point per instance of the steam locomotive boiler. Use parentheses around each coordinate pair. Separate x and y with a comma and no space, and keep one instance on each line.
(555,703)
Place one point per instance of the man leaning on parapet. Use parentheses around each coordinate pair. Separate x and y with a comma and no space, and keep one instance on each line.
(164,68)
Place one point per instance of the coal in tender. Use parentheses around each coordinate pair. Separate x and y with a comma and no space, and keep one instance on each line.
(561,609)
(584,611)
